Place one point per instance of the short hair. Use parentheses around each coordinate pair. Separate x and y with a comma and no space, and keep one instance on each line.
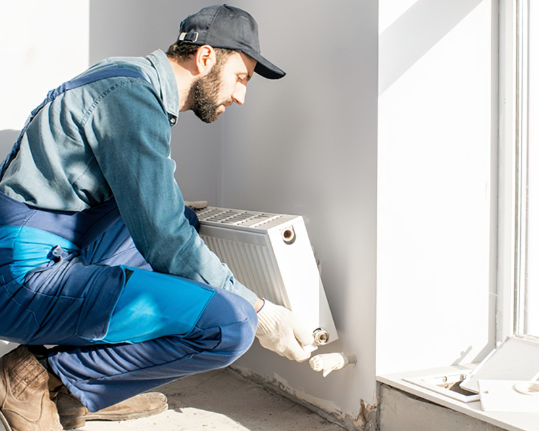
(182,51)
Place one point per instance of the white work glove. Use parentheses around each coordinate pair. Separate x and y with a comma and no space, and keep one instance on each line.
(280,331)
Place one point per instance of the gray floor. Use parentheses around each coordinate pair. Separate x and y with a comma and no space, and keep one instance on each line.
(221,400)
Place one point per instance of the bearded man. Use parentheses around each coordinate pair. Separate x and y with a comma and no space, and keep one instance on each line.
(100,258)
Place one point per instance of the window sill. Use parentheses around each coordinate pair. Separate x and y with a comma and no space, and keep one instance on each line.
(514,421)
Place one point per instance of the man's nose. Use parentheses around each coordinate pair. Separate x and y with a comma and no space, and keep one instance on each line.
(239,93)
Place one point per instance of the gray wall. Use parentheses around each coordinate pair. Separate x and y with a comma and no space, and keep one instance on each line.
(307,145)
(402,412)
(303,145)
(136,28)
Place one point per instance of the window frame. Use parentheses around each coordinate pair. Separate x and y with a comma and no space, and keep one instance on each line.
(513,169)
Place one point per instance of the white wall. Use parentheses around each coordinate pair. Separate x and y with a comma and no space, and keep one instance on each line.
(43,44)
(37,56)
(436,183)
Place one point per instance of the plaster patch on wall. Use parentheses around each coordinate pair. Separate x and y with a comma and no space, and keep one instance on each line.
(326,405)
(365,421)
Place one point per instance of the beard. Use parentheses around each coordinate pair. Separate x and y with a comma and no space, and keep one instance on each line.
(204,95)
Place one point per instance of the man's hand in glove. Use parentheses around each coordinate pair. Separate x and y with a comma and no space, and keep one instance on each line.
(280,331)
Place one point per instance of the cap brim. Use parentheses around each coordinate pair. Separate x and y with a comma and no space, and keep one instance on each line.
(266,68)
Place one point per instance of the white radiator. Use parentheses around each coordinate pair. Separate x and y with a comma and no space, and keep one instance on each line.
(271,254)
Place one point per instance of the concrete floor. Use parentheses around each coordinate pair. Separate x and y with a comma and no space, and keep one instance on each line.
(222,400)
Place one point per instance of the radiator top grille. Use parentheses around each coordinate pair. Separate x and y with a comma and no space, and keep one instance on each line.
(236,217)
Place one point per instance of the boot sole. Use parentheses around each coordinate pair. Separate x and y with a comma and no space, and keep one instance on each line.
(74,422)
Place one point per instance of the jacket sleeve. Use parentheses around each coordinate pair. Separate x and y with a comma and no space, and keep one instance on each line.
(129,133)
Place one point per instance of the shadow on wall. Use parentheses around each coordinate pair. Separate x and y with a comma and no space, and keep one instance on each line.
(7,139)
(409,38)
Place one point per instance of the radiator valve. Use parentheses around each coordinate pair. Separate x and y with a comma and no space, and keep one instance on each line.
(321,337)
(328,362)
(289,235)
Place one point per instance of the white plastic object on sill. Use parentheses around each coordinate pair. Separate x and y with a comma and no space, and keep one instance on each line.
(528,388)
(508,396)
(505,420)
(447,384)
(517,359)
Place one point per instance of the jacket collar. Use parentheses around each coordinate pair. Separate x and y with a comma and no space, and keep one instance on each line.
(167,83)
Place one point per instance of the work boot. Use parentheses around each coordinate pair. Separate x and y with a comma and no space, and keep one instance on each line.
(74,415)
(24,394)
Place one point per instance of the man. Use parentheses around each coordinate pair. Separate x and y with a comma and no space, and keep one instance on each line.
(98,255)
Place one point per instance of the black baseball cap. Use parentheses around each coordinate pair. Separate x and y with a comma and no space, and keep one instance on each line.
(224,26)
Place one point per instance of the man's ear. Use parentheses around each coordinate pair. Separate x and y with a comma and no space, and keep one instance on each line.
(205,58)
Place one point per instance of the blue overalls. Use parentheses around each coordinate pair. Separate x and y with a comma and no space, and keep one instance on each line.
(55,268)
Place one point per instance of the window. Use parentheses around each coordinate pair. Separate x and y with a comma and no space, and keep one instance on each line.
(519,170)
(530,301)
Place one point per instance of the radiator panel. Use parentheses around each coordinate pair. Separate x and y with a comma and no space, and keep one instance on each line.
(251,264)
(271,254)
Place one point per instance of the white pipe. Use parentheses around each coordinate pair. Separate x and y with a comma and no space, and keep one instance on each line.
(328,362)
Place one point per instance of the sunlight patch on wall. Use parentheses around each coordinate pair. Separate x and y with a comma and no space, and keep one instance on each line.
(390,12)
(435,141)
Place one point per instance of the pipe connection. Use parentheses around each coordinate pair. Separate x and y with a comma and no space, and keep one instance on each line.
(328,362)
